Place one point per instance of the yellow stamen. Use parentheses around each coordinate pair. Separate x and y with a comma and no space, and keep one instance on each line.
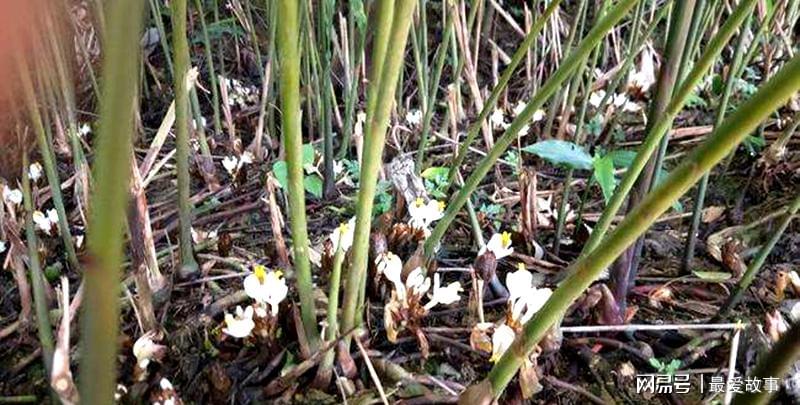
(261,273)
(343,228)
(505,239)
(521,266)
(442,205)
(419,202)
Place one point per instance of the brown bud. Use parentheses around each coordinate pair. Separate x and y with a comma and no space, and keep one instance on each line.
(486,265)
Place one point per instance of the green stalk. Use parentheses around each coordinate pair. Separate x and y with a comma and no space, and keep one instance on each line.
(328,101)
(756,264)
(332,332)
(289,59)
(501,144)
(699,201)
(100,319)
(489,103)
(433,89)
(43,326)
(48,159)
(212,74)
(374,140)
(380,43)
(664,123)
(189,267)
(588,267)
(774,364)
(356,51)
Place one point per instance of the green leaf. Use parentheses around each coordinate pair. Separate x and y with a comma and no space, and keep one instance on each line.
(623,158)
(281,173)
(604,174)
(308,154)
(313,184)
(435,173)
(357,8)
(713,276)
(561,153)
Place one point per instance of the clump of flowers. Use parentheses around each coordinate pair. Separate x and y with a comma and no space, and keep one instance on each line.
(239,94)
(47,223)
(146,350)
(424,214)
(233,164)
(405,309)
(12,196)
(268,289)
(524,301)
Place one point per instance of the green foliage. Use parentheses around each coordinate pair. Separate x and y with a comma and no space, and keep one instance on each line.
(494,212)
(312,182)
(604,175)
(666,368)
(561,153)
(435,179)
(754,144)
(595,126)
(383,198)
(713,276)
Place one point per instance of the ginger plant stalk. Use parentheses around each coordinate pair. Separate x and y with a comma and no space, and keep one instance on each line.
(289,59)
(100,319)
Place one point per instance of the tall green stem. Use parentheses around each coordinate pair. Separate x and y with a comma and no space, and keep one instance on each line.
(100,319)
(373,151)
(212,73)
(289,59)
(699,201)
(189,267)
(588,267)
(548,89)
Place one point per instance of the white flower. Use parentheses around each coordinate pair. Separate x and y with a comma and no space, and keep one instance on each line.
(165,384)
(145,350)
(202,123)
(84,130)
(417,282)
(46,223)
(518,108)
(358,128)
(502,338)
(241,325)
(498,119)
(246,158)
(596,98)
(230,163)
(35,171)
(518,283)
(390,265)
(538,115)
(342,236)
(12,196)
(414,117)
(444,295)
(266,287)
(2,246)
(499,244)
(523,309)
(422,214)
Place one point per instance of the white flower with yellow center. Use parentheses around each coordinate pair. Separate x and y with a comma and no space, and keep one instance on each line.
(596,98)
(390,265)
(35,171)
(525,299)
(46,222)
(12,196)
(500,245)
(424,214)
(266,287)
(444,295)
(342,236)
(241,325)
(502,338)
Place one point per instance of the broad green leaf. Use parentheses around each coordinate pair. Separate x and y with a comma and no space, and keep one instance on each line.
(604,174)
(622,158)
(308,154)
(281,173)
(313,184)
(435,173)
(714,276)
(561,153)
